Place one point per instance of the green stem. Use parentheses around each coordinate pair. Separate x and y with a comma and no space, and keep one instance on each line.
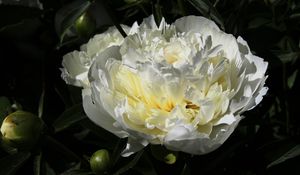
(285,105)
(64,150)
(141,6)
(113,18)
(181,7)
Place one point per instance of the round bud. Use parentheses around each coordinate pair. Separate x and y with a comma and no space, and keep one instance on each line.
(162,154)
(21,130)
(85,25)
(100,161)
(170,159)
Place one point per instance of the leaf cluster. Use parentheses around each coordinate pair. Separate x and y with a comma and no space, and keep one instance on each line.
(34,39)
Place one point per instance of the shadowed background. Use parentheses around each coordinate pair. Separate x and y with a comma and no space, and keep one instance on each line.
(34,35)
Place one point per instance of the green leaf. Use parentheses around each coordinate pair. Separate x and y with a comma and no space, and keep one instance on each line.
(67,16)
(291,79)
(5,108)
(131,164)
(186,170)
(41,167)
(98,131)
(49,170)
(119,147)
(41,103)
(27,3)
(64,95)
(207,9)
(78,172)
(130,5)
(145,166)
(295,16)
(131,12)
(157,13)
(69,117)
(37,162)
(75,170)
(294,152)
(10,18)
(258,22)
(60,148)
(10,164)
(289,57)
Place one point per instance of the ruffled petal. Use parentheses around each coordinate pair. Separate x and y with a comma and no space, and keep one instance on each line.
(98,115)
(75,69)
(133,146)
(182,138)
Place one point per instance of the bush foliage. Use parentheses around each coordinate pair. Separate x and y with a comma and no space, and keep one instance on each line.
(36,34)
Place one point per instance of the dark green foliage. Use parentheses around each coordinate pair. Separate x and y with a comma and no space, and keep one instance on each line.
(33,41)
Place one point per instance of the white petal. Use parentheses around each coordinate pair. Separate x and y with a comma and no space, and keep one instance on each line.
(98,115)
(134,28)
(247,91)
(133,146)
(227,119)
(178,133)
(75,69)
(208,28)
(243,46)
(188,141)
(149,23)
(195,24)
(100,42)
(256,99)
(103,62)
(261,68)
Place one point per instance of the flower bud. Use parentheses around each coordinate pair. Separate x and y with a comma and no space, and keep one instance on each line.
(170,158)
(163,154)
(21,130)
(100,161)
(85,25)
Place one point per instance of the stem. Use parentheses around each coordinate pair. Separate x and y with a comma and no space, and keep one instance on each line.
(216,2)
(181,7)
(113,18)
(143,9)
(286,107)
(64,150)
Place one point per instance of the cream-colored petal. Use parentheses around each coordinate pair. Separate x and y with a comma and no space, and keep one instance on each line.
(181,138)
(133,146)
(98,115)
(75,68)
(195,24)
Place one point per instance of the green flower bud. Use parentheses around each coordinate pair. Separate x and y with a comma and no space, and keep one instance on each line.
(170,158)
(21,130)
(85,25)
(100,161)
(162,154)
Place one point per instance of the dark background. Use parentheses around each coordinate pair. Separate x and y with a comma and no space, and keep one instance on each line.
(34,39)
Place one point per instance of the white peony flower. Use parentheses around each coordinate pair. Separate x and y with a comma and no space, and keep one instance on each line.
(77,63)
(183,85)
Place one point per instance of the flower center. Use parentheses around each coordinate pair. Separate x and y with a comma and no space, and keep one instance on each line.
(136,91)
(190,105)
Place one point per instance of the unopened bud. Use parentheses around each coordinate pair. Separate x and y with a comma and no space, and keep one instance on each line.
(85,25)
(21,130)
(100,161)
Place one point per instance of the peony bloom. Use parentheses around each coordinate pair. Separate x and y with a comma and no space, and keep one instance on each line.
(183,85)
(77,63)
